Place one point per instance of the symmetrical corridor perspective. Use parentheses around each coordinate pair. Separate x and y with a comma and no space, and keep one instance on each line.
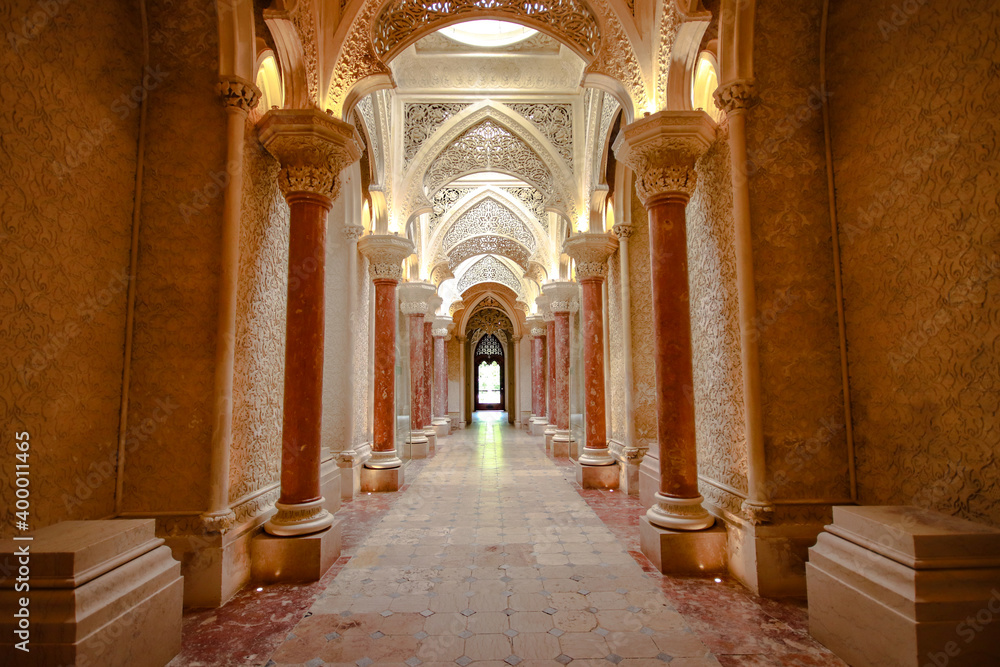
(493,555)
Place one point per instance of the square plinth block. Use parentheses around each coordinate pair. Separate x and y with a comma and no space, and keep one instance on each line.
(548,441)
(537,428)
(294,559)
(418,450)
(442,428)
(560,449)
(598,477)
(102,593)
(374,481)
(684,552)
(898,586)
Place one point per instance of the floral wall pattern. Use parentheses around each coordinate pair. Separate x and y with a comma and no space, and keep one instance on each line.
(918,216)
(71,147)
(643,374)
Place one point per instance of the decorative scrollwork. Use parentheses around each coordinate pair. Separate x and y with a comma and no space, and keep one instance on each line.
(489,270)
(555,122)
(489,217)
(488,244)
(571,19)
(421,121)
(488,321)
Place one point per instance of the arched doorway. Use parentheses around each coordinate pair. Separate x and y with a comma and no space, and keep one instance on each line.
(490,389)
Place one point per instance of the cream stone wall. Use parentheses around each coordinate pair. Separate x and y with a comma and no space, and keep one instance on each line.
(68,154)
(258,382)
(718,372)
(800,363)
(179,247)
(918,212)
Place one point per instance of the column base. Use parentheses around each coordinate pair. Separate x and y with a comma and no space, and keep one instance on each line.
(350,463)
(299,518)
(537,426)
(683,552)
(113,597)
(432,438)
(679,513)
(596,457)
(649,477)
(549,433)
(294,559)
(597,477)
(442,426)
(383,461)
(379,480)
(562,444)
(417,445)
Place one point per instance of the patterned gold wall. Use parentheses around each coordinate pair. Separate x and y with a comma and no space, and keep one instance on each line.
(913,99)
(67,153)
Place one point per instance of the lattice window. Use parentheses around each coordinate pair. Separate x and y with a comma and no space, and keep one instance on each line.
(555,122)
(489,270)
(570,19)
(421,121)
(489,346)
(489,217)
(488,147)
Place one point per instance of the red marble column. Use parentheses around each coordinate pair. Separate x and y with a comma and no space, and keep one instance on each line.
(665,180)
(561,393)
(418,373)
(428,375)
(440,377)
(550,343)
(538,372)
(385,255)
(312,149)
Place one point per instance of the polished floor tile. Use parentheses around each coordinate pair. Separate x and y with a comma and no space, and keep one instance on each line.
(492,555)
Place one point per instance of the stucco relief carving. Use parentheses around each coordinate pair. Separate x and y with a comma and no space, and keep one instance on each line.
(488,244)
(421,121)
(258,377)
(616,359)
(489,147)
(718,372)
(489,321)
(488,217)
(555,121)
(385,254)
(735,96)
(367,110)
(361,321)
(239,93)
(489,270)
(442,201)
(643,333)
(670,21)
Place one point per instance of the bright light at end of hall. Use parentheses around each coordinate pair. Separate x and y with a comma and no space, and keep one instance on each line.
(487,33)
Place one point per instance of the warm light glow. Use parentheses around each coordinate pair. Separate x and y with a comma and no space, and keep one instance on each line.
(269,82)
(609,214)
(366,216)
(706,80)
(487,33)
(583,222)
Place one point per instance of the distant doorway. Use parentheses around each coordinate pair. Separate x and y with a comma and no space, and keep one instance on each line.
(489,394)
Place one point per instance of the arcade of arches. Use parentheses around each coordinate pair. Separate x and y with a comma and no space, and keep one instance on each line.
(564,332)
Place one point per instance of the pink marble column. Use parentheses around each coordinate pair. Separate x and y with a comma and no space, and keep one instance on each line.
(385,255)
(440,333)
(418,373)
(665,180)
(563,297)
(312,149)
(414,302)
(590,252)
(539,373)
(428,390)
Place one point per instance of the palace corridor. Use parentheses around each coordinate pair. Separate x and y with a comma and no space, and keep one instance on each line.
(493,553)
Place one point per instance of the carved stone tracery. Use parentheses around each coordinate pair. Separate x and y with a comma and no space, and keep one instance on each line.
(488,244)
(488,217)
(421,121)
(489,270)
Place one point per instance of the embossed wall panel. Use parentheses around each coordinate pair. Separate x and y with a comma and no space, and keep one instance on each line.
(802,390)
(258,382)
(718,372)
(68,155)
(918,213)
(643,372)
(179,245)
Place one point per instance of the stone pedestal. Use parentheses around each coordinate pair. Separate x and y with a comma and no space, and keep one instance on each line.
(294,559)
(550,433)
(560,446)
(906,587)
(384,479)
(417,447)
(683,552)
(442,426)
(350,464)
(597,477)
(102,593)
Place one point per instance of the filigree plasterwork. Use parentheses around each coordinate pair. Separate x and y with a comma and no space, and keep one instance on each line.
(367,110)
(421,121)
(488,244)
(622,231)
(555,122)
(312,148)
(488,217)
(618,416)
(488,321)
(489,270)
(570,19)
(437,42)
(670,22)
(609,108)
(489,147)
(617,58)
(442,201)
(533,201)
(385,254)
(488,302)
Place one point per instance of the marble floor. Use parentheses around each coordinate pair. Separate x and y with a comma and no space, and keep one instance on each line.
(492,555)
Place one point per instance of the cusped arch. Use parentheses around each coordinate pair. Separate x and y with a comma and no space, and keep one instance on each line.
(495,297)
(490,269)
(489,244)
(558,191)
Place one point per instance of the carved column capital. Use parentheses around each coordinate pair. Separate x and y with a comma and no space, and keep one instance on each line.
(564,296)
(312,147)
(662,150)
(238,93)
(353,232)
(536,325)
(591,252)
(415,298)
(433,303)
(736,96)
(385,255)
(443,326)
(623,231)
